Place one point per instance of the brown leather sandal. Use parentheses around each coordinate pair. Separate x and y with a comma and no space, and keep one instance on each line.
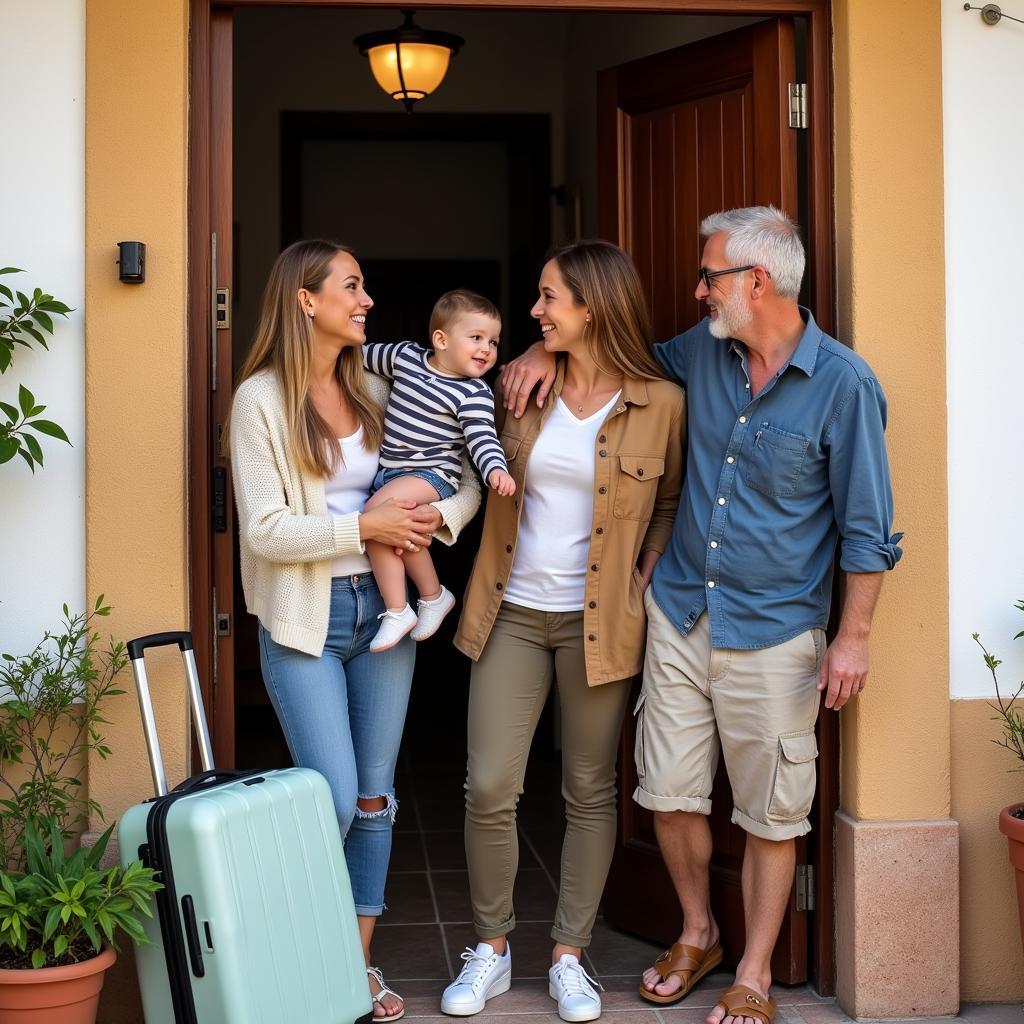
(691,963)
(741,1001)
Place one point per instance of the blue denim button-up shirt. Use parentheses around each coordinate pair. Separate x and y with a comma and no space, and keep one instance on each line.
(771,483)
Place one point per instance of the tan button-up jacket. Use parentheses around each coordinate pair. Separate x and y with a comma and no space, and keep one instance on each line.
(638,460)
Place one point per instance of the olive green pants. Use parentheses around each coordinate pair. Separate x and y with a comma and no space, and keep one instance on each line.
(508,688)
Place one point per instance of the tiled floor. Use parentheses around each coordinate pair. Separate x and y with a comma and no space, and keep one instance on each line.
(428,923)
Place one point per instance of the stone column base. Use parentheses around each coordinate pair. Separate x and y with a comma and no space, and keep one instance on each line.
(897,917)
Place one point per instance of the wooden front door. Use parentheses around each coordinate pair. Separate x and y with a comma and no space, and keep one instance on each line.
(211,509)
(682,134)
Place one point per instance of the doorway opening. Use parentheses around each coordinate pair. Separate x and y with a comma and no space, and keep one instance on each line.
(523,146)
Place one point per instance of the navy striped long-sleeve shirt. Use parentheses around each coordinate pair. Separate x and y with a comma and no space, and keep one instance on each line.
(431,418)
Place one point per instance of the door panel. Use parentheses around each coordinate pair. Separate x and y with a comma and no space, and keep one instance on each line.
(221,204)
(683,134)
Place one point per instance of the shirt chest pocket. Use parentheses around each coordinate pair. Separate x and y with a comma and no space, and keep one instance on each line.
(773,461)
(636,486)
(510,444)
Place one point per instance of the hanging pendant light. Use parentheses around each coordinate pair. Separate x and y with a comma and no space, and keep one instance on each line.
(408,62)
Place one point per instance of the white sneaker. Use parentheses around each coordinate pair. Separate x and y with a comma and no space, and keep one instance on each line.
(485,974)
(431,614)
(392,629)
(574,990)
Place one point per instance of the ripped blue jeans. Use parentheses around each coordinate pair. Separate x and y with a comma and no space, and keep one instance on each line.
(343,715)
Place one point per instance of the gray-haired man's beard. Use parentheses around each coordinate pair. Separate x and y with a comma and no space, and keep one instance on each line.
(734,314)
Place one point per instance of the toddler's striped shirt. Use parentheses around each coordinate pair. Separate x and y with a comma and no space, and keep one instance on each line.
(430,418)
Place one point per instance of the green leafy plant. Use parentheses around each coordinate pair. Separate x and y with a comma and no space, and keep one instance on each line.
(1008,709)
(51,712)
(64,907)
(25,320)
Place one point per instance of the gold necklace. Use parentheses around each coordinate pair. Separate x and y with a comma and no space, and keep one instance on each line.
(579,405)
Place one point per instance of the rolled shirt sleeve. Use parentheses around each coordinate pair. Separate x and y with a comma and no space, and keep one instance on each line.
(860,481)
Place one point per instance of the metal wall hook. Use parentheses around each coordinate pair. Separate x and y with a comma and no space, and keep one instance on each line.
(992,14)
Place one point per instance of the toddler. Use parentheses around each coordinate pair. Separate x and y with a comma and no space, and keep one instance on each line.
(438,407)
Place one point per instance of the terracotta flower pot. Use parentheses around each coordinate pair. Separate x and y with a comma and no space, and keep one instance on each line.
(1013,829)
(54,995)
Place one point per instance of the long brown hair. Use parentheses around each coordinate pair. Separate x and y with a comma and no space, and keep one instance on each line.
(283,343)
(603,278)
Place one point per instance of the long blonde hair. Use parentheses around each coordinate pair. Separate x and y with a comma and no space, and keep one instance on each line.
(603,278)
(283,343)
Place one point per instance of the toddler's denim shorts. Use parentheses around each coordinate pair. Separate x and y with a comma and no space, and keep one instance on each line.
(438,482)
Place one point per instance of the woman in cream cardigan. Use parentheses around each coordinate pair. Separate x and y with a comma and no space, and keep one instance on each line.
(306,427)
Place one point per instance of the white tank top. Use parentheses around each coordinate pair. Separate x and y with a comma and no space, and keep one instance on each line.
(347,491)
(549,571)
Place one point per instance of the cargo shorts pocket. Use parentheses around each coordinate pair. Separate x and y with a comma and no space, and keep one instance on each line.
(639,754)
(793,791)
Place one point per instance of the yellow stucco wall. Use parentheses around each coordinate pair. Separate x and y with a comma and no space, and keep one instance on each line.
(991,962)
(888,118)
(889,223)
(136,116)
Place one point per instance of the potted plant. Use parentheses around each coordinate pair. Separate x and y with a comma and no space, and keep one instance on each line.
(1010,715)
(59,922)
(60,913)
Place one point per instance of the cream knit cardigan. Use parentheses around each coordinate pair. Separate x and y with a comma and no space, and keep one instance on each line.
(287,538)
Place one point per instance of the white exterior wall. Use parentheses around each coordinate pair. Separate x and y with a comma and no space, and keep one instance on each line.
(983,81)
(42,230)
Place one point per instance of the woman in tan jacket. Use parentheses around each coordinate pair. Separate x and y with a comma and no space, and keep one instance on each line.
(557,592)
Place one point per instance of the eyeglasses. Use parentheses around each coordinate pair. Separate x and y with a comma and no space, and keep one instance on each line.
(708,275)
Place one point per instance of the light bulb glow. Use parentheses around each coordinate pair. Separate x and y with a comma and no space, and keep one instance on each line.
(423,68)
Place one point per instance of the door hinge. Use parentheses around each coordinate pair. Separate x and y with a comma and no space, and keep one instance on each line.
(804,887)
(797,105)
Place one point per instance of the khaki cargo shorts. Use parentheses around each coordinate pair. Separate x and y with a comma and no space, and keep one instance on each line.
(758,706)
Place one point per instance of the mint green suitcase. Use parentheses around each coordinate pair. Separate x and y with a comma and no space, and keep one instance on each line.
(256,924)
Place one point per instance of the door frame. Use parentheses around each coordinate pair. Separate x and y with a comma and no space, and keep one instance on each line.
(210,137)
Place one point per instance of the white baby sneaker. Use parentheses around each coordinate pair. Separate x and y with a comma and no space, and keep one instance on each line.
(431,614)
(394,625)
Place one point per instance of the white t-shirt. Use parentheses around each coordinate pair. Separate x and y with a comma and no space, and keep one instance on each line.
(347,491)
(549,571)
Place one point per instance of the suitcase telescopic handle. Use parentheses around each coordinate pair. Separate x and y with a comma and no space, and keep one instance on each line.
(136,652)
(182,638)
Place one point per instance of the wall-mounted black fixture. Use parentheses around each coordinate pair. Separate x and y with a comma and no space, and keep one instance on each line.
(132,262)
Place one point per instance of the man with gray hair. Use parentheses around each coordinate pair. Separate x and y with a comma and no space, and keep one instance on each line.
(786,459)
